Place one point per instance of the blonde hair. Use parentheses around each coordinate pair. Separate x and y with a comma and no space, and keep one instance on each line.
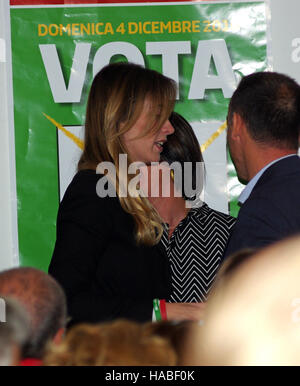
(117,96)
(117,343)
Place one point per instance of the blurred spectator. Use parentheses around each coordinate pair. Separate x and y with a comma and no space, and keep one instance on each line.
(45,302)
(14,331)
(253,317)
(230,265)
(175,332)
(117,343)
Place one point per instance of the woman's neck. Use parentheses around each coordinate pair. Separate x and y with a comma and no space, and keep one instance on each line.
(171,209)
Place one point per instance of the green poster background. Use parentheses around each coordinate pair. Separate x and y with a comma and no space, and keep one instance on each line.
(242,26)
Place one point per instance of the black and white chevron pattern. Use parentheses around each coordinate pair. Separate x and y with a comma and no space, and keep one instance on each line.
(195,250)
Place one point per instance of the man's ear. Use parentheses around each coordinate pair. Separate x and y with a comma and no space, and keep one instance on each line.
(59,336)
(237,127)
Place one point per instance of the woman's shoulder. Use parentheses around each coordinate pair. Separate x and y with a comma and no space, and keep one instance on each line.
(83,191)
(85,183)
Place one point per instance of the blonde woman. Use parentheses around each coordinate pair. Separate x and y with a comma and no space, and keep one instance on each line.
(106,255)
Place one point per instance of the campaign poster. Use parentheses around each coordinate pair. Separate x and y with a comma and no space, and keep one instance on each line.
(57,48)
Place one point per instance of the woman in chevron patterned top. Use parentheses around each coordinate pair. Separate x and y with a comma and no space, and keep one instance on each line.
(195,235)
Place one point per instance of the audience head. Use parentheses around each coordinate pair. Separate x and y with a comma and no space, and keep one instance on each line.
(117,343)
(183,147)
(44,301)
(14,331)
(175,333)
(253,318)
(265,109)
(230,265)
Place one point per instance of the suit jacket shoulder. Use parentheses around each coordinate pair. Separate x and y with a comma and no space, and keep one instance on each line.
(272,210)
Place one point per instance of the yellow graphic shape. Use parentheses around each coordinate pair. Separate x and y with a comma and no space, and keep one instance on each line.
(213,137)
(80,143)
(70,135)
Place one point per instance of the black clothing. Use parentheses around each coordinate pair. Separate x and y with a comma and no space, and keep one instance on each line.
(104,273)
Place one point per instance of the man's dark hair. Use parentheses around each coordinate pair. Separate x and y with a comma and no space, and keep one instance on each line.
(269,104)
(43,299)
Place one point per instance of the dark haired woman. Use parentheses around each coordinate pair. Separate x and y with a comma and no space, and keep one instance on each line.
(195,235)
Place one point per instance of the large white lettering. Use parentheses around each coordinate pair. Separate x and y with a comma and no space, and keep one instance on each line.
(202,80)
(61,93)
(169,52)
(108,50)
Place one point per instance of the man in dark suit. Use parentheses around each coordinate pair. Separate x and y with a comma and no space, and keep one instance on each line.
(263,130)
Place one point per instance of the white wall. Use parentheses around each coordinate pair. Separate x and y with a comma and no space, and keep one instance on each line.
(8,249)
(285,27)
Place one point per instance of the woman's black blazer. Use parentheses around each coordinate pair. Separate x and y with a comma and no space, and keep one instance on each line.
(96,260)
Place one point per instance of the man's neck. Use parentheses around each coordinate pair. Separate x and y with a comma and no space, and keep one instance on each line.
(262,156)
